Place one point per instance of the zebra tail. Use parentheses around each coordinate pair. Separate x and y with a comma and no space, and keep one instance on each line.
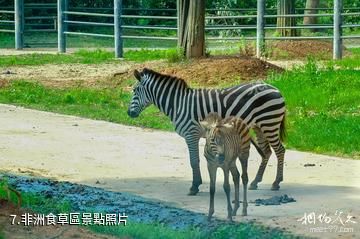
(283,132)
(258,148)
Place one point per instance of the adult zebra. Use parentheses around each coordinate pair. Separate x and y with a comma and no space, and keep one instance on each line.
(259,105)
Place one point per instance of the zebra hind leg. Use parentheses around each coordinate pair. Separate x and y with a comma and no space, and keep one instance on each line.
(245,179)
(280,153)
(236,179)
(226,187)
(264,145)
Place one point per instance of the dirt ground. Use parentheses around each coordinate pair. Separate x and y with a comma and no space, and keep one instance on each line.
(154,164)
(38,232)
(202,72)
(302,49)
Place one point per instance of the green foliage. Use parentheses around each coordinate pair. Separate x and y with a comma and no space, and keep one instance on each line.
(105,104)
(145,55)
(91,57)
(175,55)
(350,62)
(323,109)
(147,231)
(154,231)
(81,56)
(35,202)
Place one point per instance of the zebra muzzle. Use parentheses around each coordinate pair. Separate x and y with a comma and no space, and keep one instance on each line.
(132,114)
(220,157)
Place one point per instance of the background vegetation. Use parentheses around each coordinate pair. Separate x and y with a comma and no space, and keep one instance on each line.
(34,39)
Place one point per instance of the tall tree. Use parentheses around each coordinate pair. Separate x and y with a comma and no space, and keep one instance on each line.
(285,7)
(311,6)
(191,32)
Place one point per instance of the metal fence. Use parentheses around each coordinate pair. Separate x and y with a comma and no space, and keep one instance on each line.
(116,19)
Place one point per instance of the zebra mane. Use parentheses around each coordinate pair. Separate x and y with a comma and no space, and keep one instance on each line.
(158,76)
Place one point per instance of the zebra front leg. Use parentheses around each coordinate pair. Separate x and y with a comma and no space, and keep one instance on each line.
(212,173)
(193,146)
(236,178)
(227,192)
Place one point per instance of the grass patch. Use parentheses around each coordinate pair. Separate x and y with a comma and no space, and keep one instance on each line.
(81,56)
(39,39)
(172,55)
(323,109)
(154,231)
(350,62)
(34,202)
(105,104)
(90,57)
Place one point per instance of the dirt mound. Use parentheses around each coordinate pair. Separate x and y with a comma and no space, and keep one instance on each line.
(219,70)
(301,49)
(212,71)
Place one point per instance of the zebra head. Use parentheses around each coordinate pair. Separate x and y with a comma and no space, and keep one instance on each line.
(213,128)
(140,99)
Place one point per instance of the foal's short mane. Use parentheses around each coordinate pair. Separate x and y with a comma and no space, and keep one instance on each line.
(163,76)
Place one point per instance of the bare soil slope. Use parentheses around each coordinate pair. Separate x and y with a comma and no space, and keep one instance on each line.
(204,72)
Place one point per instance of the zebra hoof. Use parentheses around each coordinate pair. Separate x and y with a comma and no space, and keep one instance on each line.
(253,187)
(275,187)
(193,191)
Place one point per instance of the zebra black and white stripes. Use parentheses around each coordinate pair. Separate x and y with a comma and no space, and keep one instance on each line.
(260,105)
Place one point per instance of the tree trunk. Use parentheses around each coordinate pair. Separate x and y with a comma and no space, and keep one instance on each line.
(286,7)
(311,4)
(192,27)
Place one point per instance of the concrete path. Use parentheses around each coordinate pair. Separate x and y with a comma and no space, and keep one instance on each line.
(154,164)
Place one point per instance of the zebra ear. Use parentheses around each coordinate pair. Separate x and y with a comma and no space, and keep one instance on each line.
(137,75)
(229,125)
(204,125)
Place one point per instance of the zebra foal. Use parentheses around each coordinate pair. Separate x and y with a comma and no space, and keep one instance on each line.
(259,105)
(227,140)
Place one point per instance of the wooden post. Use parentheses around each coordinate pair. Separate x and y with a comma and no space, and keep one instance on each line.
(61,26)
(178,22)
(337,44)
(260,30)
(196,29)
(310,7)
(19,24)
(286,7)
(183,12)
(117,29)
